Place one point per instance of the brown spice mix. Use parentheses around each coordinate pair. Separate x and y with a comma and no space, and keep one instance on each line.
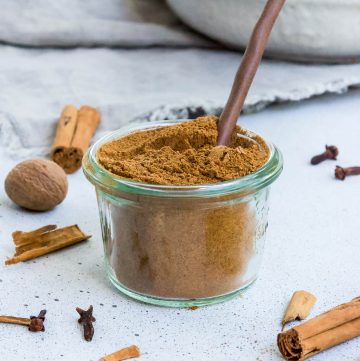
(184,247)
(184,154)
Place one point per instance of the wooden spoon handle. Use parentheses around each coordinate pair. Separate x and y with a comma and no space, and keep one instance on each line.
(247,69)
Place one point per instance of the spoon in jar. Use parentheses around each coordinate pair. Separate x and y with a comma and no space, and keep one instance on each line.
(247,69)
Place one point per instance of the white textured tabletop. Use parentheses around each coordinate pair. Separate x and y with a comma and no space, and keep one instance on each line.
(312,243)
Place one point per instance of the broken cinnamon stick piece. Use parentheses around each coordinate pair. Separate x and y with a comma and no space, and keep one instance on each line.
(15,320)
(299,307)
(331,328)
(123,354)
(74,132)
(44,240)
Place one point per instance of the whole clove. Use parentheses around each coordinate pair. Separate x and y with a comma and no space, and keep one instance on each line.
(342,173)
(331,152)
(87,319)
(34,323)
(37,322)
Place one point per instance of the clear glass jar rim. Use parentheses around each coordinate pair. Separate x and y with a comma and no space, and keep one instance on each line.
(111,183)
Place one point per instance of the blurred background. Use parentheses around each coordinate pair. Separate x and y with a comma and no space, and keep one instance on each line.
(157,59)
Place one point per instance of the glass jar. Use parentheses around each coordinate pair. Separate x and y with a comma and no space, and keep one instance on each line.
(181,246)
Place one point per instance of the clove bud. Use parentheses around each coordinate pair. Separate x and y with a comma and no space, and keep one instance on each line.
(331,152)
(86,319)
(342,173)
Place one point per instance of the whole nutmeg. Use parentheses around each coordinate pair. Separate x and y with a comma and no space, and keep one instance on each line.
(36,184)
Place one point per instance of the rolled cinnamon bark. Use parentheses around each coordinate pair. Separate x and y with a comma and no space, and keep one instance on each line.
(331,328)
(87,121)
(74,132)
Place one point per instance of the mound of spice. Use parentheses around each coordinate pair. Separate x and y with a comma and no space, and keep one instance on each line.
(184,247)
(184,154)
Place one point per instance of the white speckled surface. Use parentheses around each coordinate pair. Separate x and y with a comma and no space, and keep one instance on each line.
(313,243)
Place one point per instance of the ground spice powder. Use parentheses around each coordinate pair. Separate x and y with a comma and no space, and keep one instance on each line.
(184,248)
(183,154)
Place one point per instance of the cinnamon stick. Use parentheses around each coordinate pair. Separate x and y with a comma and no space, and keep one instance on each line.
(248,67)
(15,320)
(44,240)
(299,307)
(331,328)
(74,132)
(123,354)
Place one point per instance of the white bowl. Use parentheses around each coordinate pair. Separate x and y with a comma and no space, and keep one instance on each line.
(306,30)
